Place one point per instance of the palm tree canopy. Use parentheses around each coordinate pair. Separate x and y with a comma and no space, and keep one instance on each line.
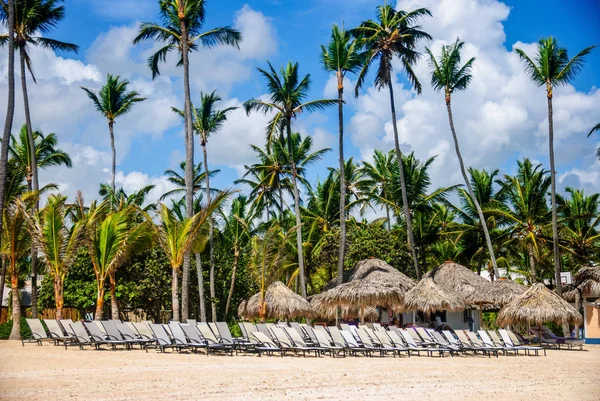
(447,73)
(207,119)
(113,99)
(178,180)
(287,95)
(33,19)
(342,54)
(394,34)
(168,31)
(551,65)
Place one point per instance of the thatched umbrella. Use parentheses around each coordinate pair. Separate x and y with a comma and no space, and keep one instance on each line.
(584,274)
(375,270)
(279,303)
(502,291)
(362,293)
(346,313)
(538,305)
(596,304)
(428,297)
(468,285)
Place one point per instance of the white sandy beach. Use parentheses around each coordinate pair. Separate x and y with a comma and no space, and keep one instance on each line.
(51,373)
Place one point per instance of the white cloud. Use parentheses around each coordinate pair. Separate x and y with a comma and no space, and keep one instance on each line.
(501,117)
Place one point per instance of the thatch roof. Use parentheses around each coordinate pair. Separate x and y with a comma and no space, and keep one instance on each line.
(502,291)
(362,293)
(468,285)
(375,270)
(347,313)
(281,303)
(427,296)
(538,305)
(587,273)
(596,304)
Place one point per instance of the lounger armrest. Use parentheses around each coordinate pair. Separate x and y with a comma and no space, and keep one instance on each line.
(81,339)
(35,336)
(128,337)
(285,344)
(162,341)
(179,342)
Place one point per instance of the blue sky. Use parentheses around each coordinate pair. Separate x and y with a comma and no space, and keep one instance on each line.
(499,120)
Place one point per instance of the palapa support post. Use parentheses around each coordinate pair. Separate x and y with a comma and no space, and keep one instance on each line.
(362,314)
(480,316)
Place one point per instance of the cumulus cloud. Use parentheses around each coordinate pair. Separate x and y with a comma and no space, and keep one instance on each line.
(501,117)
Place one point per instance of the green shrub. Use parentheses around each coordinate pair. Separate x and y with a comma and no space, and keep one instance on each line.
(5,329)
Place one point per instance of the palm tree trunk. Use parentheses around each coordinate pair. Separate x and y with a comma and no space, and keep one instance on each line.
(175,295)
(114,304)
(189,149)
(211,273)
(58,297)
(34,179)
(280,201)
(342,249)
(532,263)
(202,301)
(10,106)
(100,302)
(463,171)
(15,333)
(296,210)
(114,157)
(553,196)
(236,257)
(409,230)
(387,214)
(2,278)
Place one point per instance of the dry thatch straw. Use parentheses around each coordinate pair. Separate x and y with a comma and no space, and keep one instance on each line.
(468,285)
(502,291)
(538,305)
(596,304)
(584,274)
(280,303)
(362,293)
(378,271)
(428,297)
(329,313)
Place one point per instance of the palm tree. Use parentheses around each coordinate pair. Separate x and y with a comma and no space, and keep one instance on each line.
(287,94)
(551,68)
(177,236)
(341,56)
(113,101)
(121,200)
(111,237)
(596,128)
(14,246)
(238,229)
(393,35)
(528,215)
(7,13)
(207,120)
(178,180)
(580,217)
(181,29)
(45,155)
(270,256)
(378,176)
(449,75)
(57,241)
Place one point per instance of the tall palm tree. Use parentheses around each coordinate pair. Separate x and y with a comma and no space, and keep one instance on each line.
(393,35)
(177,236)
(238,229)
(449,75)
(287,94)
(111,237)
(112,101)
(178,179)
(528,215)
(57,241)
(45,155)
(121,200)
(33,19)
(551,68)
(378,176)
(14,245)
(207,120)
(8,15)
(180,29)
(341,56)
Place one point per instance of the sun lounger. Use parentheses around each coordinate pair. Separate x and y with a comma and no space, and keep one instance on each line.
(478,344)
(129,334)
(262,327)
(298,342)
(225,334)
(82,338)
(215,343)
(247,329)
(110,326)
(488,342)
(413,346)
(422,336)
(338,340)
(549,337)
(193,336)
(285,343)
(452,339)
(163,341)
(56,332)
(101,338)
(66,326)
(265,345)
(352,345)
(38,333)
(444,343)
(368,342)
(387,344)
(180,337)
(326,342)
(309,331)
(527,348)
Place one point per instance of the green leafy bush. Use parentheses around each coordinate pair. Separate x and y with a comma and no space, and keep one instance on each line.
(5,329)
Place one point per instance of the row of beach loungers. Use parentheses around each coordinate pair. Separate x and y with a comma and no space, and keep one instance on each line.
(278,339)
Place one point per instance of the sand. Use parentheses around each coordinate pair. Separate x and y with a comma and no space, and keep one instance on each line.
(51,373)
